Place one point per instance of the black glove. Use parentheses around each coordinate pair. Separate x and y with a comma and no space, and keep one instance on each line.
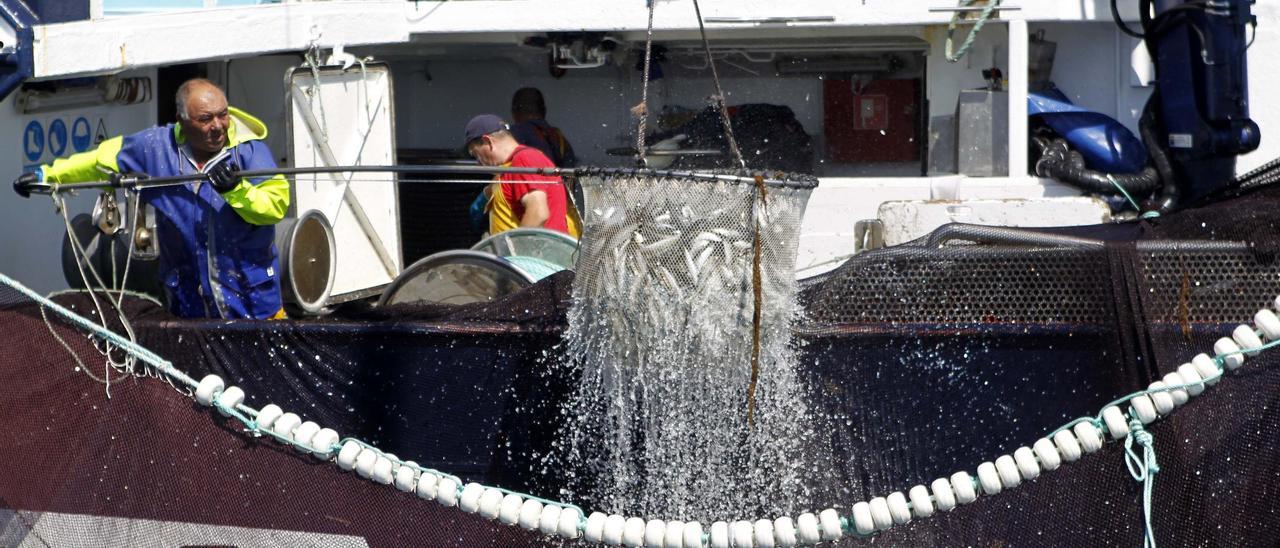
(223,177)
(22,185)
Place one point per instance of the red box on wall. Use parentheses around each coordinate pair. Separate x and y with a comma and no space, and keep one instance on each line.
(873,122)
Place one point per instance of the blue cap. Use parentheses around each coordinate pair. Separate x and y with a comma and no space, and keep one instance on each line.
(482,125)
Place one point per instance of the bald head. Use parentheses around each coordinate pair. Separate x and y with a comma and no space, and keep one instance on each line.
(195,87)
(204,116)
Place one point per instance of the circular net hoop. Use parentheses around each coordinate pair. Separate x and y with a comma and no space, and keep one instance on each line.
(687,237)
(662,323)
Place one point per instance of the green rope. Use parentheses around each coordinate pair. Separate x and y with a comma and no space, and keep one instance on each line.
(1143,469)
(973,33)
(1219,360)
(141,352)
(1124,192)
(1145,214)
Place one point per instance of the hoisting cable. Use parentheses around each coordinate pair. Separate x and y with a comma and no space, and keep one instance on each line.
(719,96)
(644,91)
(312,59)
(1120,24)
(83,263)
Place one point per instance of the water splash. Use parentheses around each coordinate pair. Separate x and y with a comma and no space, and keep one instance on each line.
(661,326)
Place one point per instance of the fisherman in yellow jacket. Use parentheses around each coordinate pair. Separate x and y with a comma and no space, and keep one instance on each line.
(216,236)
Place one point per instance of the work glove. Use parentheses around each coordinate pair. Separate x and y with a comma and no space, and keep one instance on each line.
(223,177)
(478,216)
(23,184)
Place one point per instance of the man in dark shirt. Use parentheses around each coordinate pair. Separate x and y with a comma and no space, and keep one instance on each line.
(529,112)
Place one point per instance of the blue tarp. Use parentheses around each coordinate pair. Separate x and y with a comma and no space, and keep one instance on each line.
(1105,143)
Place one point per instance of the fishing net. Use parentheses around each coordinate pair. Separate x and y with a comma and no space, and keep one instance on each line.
(1010,343)
(145,467)
(665,301)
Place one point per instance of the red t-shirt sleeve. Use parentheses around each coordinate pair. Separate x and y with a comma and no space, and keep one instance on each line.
(518,184)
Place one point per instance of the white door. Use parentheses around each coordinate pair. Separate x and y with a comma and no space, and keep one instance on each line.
(344,117)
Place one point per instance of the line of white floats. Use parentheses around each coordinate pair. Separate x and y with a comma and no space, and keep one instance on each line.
(867,518)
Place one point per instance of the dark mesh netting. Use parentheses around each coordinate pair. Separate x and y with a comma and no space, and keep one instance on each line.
(922,362)
(944,357)
(148,467)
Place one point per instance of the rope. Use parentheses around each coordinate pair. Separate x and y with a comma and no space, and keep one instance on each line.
(1143,469)
(252,426)
(719,96)
(644,91)
(755,243)
(44,315)
(312,58)
(774,179)
(147,356)
(973,33)
(1124,27)
(82,260)
(757,302)
(1145,214)
(1218,360)
(341,196)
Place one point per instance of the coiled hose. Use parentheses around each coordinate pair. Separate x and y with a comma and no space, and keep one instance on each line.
(1059,161)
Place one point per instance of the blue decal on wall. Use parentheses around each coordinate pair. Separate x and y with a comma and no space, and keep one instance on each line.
(80,134)
(33,141)
(57,137)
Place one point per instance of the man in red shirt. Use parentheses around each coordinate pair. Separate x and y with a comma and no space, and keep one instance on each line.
(518,199)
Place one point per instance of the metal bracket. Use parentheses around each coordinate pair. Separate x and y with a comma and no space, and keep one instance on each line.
(106,213)
(868,234)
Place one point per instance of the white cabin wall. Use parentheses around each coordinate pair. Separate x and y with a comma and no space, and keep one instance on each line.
(1101,53)
(31,252)
(946,79)
(1092,68)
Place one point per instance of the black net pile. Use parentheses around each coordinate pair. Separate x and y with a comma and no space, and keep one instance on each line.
(147,467)
(942,358)
(923,362)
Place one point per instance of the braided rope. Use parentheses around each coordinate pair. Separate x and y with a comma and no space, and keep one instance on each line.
(1143,469)
(983,17)
(719,98)
(644,91)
